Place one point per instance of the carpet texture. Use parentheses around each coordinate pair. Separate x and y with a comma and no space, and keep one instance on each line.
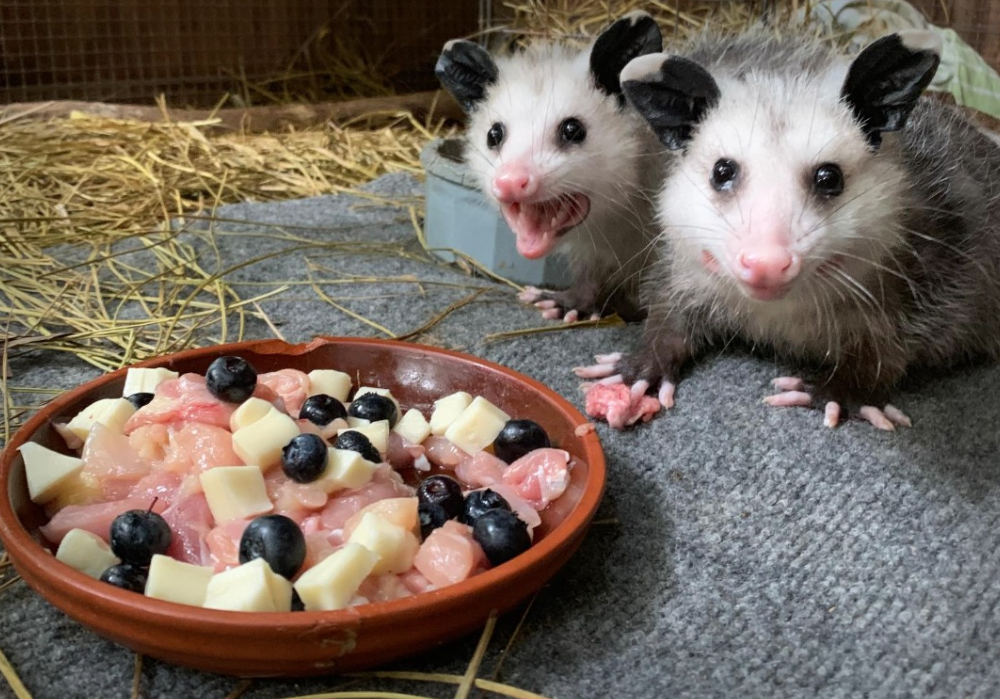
(741,550)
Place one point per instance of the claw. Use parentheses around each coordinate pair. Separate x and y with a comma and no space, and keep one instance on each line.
(789,399)
(897,416)
(571,316)
(546,304)
(596,371)
(666,394)
(639,389)
(876,417)
(612,380)
(831,414)
(529,294)
(612,358)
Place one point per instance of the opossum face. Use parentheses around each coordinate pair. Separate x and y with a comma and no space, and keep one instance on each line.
(549,137)
(779,189)
(780,185)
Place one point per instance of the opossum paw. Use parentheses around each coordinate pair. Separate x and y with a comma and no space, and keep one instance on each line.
(557,305)
(621,404)
(796,393)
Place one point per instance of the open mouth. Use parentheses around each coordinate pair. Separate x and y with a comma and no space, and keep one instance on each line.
(538,225)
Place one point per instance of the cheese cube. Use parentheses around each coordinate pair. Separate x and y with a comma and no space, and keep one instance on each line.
(477,426)
(260,443)
(235,492)
(250,411)
(113,413)
(446,410)
(86,552)
(357,421)
(331,382)
(393,544)
(346,468)
(251,587)
(379,391)
(47,470)
(331,583)
(413,426)
(376,432)
(176,581)
(143,380)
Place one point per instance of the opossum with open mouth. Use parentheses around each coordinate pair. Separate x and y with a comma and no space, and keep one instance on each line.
(571,167)
(821,208)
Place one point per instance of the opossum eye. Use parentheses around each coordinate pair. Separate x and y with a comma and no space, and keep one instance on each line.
(724,174)
(828,180)
(572,131)
(494,137)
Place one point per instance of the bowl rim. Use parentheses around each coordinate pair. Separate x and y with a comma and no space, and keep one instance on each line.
(23,550)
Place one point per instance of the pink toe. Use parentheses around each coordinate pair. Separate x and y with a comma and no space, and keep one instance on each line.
(790,399)
(876,417)
(597,371)
(552,314)
(788,383)
(666,394)
(831,414)
(572,316)
(897,416)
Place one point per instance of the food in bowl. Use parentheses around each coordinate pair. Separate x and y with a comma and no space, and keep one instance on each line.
(264,492)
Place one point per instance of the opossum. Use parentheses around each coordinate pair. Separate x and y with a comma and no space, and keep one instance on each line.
(819,207)
(551,141)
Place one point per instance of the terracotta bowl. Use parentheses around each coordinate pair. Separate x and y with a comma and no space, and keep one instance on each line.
(310,643)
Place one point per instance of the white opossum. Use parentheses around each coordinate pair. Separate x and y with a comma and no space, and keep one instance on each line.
(821,208)
(552,142)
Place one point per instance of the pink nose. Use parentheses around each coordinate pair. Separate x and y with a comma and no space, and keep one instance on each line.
(514,184)
(771,266)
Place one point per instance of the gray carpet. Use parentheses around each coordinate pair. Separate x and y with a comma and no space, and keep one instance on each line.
(743,551)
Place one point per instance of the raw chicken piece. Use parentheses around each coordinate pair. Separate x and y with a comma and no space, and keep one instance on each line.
(442,453)
(94,518)
(110,459)
(184,399)
(384,588)
(190,522)
(449,554)
(521,507)
(159,484)
(416,582)
(195,447)
(291,385)
(151,442)
(402,452)
(540,476)
(615,403)
(481,470)
(385,484)
(318,546)
(223,544)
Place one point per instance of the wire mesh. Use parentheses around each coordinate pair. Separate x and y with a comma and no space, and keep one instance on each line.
(195,51)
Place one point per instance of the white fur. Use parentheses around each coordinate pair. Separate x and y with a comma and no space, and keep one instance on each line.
(779,130)
(539,88)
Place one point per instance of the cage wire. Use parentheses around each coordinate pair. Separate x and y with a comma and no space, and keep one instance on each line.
(195,52)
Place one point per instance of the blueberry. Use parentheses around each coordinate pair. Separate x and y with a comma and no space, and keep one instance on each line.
(502,534)
(126,576)
(479,502)
(444,491)
(138,534)
(517,438)
(139,399)
(278,540)
(373,407)
(304,458)
(322,409)
(355,441)
(431,516)
(231,379)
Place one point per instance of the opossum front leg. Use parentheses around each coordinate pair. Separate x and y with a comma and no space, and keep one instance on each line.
(855,390)
(620,393)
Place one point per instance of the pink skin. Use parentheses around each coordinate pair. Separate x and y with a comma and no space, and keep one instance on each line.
(537,218)
(760,258)
(792,394)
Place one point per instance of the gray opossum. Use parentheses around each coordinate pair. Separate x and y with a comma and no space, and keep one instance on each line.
(821,208)
(551,141)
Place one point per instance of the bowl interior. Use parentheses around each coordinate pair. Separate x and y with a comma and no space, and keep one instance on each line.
(417,376)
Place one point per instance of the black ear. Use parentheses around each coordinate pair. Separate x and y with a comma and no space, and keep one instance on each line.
(635,34)
(886,80)
(466,70)
(672,93)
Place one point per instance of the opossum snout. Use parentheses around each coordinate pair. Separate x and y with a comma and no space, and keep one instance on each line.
(766,271)
(514,183)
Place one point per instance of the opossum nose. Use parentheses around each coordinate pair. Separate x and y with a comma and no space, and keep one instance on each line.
(514,185)
(768,267)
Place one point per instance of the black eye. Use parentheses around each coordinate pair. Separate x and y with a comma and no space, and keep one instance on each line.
(724,174)
(495,136)
(828,180)
(572,131)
